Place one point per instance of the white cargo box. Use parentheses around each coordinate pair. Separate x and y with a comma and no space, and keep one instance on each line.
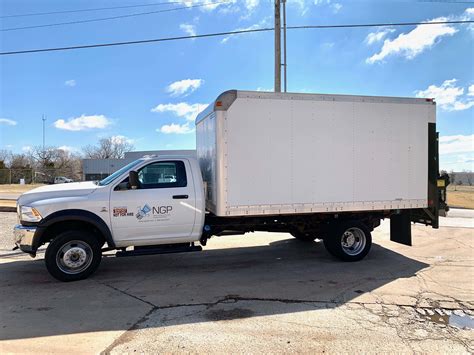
(284,153)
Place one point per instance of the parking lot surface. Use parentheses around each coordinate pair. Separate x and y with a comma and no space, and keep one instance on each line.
(262,292)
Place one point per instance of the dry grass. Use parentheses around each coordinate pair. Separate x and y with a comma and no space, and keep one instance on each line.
(461,196)
(17,188)
(7,203)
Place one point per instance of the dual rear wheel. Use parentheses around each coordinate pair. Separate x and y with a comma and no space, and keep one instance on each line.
(348,241)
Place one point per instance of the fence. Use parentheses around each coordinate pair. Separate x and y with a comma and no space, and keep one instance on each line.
(37,176)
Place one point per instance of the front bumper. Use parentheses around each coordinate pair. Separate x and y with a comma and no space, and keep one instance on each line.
(24,238)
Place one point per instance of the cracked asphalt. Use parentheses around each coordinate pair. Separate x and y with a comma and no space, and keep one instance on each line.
(262,292)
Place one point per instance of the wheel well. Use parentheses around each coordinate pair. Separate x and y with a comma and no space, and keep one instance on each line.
(53,230)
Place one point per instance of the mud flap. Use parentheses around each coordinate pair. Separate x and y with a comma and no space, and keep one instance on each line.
(400,228)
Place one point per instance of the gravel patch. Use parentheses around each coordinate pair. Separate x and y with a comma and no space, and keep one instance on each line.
(7,222)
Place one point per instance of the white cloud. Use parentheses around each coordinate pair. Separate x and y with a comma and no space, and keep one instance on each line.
(83,123)
(185,86)
(374,37)
(68,149)
(448,96)
(411,44)
(456,144)
(27,148)
(70,83)
(264,22)
(209,5)
(121,139)
(468,15)
(336,7)
(7,122)
(470,90)
(176,128)
(188,29)
(181,109)
(250,5)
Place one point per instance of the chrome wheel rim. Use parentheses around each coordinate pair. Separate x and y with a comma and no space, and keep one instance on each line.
(353,241)
(74,257)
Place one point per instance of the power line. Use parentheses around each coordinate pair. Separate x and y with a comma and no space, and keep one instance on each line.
(167,3)
(448,1)
(114,17)
(229,33)
(91,9)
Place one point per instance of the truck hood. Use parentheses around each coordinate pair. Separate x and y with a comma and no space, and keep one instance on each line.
(58,190)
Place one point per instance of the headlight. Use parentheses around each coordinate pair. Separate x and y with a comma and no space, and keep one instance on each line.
(29,214)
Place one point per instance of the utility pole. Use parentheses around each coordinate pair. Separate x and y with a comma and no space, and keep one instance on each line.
(44,120)
(284,43)
(277,47)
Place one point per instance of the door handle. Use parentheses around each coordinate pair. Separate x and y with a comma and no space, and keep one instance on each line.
(180,197)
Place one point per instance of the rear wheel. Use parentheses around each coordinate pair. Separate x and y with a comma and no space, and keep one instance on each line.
(349,241)
(73,255)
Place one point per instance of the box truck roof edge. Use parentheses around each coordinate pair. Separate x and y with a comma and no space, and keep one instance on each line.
(227,98)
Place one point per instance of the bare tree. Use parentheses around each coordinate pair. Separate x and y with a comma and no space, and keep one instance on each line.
(51,161)
(5,158)
(452,177)
(43,158)
(20,161)
(21,168)
(108,148)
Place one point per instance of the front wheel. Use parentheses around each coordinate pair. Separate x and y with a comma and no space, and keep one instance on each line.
(349,241)
(73,255)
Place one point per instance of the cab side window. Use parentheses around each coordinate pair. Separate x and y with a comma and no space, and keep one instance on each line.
(164,174)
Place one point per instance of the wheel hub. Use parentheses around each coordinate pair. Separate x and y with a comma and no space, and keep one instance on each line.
(353,241)
(349,240)
(75,257)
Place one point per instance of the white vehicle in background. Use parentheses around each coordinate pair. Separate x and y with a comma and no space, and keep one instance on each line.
(315,166)
(62,180)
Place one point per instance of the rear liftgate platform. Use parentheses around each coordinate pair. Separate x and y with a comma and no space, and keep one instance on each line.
(400,220)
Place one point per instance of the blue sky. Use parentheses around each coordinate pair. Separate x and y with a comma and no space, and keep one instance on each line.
(149,94)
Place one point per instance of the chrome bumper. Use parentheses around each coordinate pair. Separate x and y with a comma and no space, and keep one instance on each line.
(23,238)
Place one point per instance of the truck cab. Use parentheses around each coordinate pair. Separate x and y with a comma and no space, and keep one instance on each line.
(153,200)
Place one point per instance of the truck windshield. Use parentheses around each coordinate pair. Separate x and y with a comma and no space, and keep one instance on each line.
(119,172)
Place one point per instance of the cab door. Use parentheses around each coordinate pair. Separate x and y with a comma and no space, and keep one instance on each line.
(162,208)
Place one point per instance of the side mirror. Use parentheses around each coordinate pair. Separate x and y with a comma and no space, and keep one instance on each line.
(133,180)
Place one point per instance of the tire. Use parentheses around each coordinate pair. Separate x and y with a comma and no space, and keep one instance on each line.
(304,237)
(73,255)
(349,241)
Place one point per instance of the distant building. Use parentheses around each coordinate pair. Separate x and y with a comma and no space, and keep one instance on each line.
(97,169)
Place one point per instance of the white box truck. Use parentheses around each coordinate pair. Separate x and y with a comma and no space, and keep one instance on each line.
(327,167)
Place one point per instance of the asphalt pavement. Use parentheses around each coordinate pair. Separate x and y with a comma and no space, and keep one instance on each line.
(262,292)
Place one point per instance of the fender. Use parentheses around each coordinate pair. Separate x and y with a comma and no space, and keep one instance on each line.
(74,215)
